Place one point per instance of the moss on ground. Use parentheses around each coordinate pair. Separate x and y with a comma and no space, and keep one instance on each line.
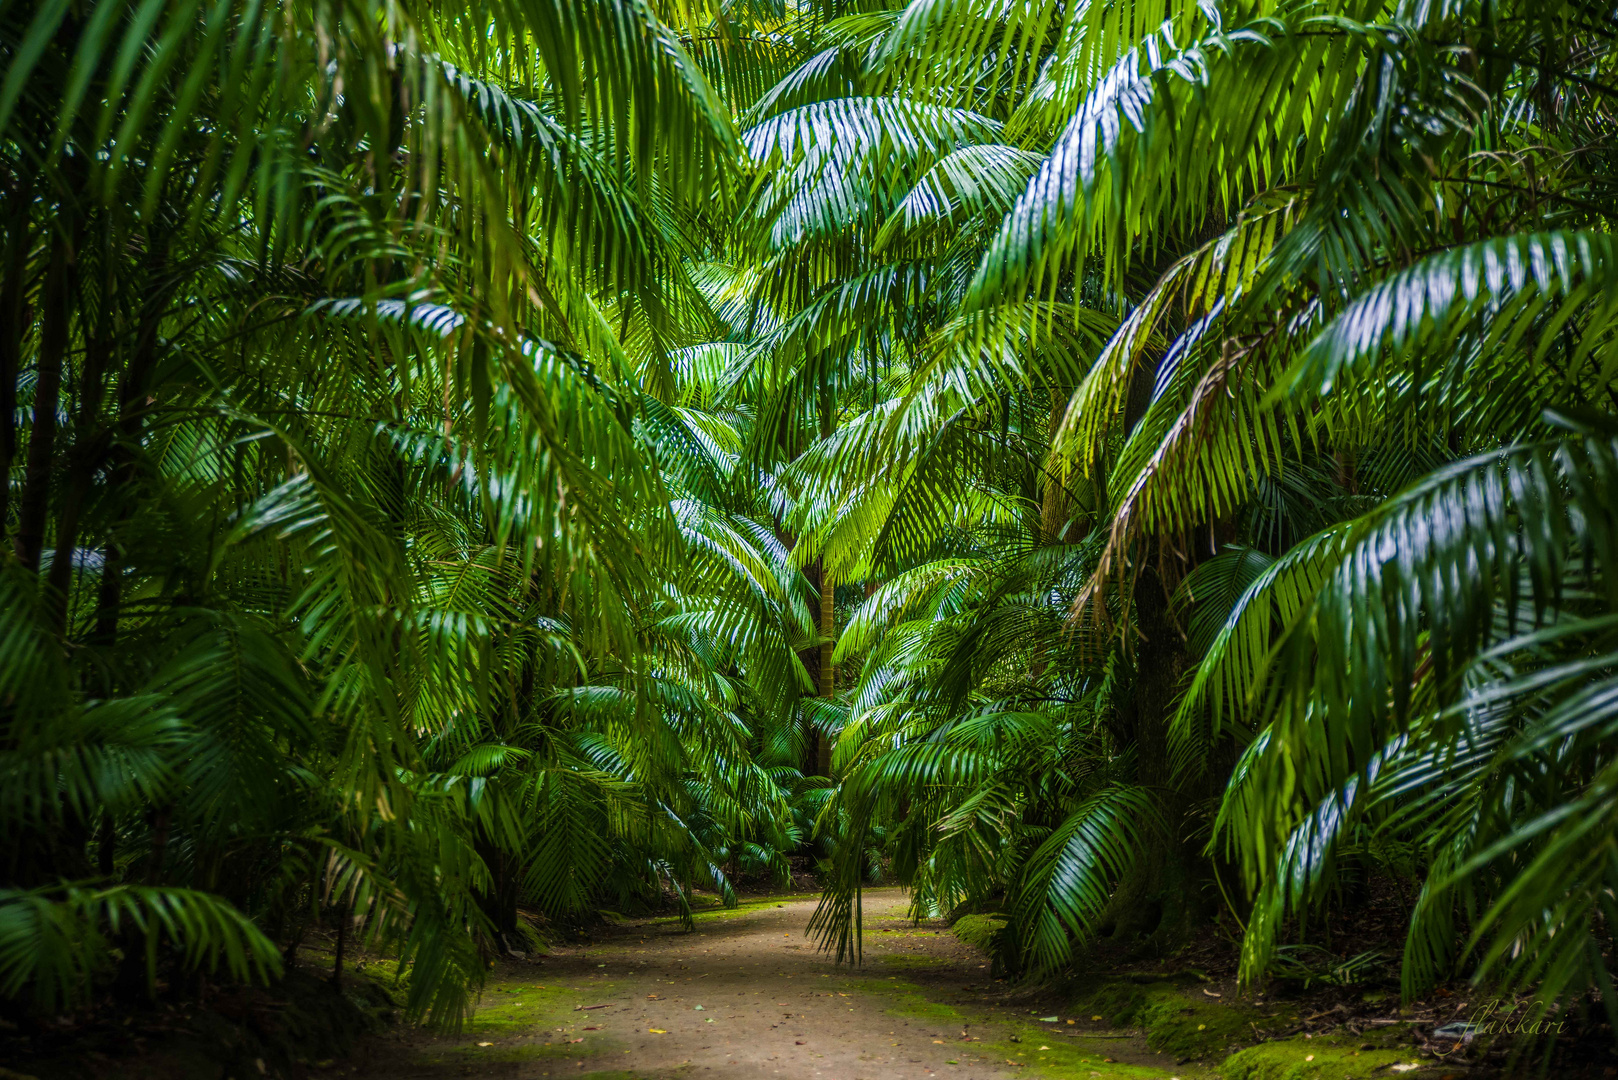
(1049,1054)
(1176,1020)
(1116,1004)
(1326,1058)
(908,961)
(1181,1026)
(1047,1050)
(531,1023)
(1044,1050)
(510,1008)
(709,914)
(979,930)
(907,1000)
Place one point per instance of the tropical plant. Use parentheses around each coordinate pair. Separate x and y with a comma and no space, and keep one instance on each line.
(1319,516)
(327,347)
(1120,463)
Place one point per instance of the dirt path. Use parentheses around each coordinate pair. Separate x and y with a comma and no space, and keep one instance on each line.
(746,995)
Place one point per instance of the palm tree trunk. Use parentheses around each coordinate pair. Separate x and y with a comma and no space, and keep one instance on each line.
(1160,901)
(87,454)
(342,940)
(55,305)
(827,675)
(14,322)
(828,672)
(810,659)
(1055,507)
(122,464)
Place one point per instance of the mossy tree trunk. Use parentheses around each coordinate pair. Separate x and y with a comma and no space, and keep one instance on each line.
(1164,898)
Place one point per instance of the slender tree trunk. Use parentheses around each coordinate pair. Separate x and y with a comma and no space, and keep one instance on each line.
(810,659)
(343,917)
(15,320)
(122,462)
(1162,900)
(55,313)
(826,675)
(342,940)
(107,850)
(82,466)
(160,843)
(500,902)
(85,457)
(1055,507)
(828,671)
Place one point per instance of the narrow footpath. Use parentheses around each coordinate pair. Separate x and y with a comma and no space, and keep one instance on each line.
(746,995)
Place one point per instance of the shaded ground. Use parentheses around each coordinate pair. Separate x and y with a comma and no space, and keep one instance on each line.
(746,995)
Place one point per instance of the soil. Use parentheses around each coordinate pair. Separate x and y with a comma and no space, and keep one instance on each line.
(745,994)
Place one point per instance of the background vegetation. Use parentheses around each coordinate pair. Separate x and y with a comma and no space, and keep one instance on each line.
(1110,463)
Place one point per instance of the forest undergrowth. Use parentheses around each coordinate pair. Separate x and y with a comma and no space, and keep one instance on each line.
(1137,474)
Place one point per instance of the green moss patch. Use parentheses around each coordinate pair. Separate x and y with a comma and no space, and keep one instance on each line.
(979,930)
(708,914)
(1046,1051)
(521,1009)
(1176,1020)
(1117,1004)
(525,1022)
(906,961)
(906,1000)
(1326,1058)
(1183,1027)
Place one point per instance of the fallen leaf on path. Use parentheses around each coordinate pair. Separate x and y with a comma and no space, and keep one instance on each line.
(657,1031)
(798,1043)
(575,1040)
(587,1008)
(592,1029)
(1405,1068)
(485,1044)
(1095,1018)
(1210,993)
(1048,1019)
(1044,1048)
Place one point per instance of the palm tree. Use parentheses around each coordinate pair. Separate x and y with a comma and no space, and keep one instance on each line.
(1334,544)
(443,446)
(326,339)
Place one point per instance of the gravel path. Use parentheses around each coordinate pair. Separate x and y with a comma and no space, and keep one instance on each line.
(746,995)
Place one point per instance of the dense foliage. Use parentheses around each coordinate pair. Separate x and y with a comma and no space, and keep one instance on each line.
(1106,462)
